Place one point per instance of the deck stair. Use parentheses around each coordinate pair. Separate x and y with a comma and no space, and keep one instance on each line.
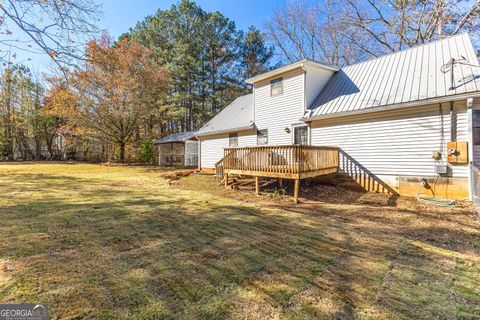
(248,183)
(219,169)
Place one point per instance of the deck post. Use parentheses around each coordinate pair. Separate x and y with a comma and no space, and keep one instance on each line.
(293,162)
(296,191)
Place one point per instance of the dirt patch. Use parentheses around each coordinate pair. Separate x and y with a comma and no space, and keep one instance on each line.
(176,174)
(123,164)
(312,193)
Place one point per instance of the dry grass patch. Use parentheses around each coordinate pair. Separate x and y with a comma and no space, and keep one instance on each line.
(119,242)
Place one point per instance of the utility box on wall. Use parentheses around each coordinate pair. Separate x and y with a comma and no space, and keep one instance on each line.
(457,152)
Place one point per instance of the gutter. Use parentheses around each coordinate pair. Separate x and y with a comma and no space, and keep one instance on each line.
(393,106)
(304,87)
(211,133)
(176,141)
(292,66)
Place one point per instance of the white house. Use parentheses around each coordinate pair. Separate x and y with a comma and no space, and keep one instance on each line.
(387,115)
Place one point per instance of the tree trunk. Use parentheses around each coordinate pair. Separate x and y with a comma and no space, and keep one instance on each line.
(38,148)
(49,143)
(440,20)
(9,142)
(121,147)
(9,110)
(23,146)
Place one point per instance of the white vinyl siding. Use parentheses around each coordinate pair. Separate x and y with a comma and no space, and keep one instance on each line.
(280,112)
(397,142)
(212,146)
(316,80)
(211,149)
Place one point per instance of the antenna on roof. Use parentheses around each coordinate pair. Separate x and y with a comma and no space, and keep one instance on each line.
(449,66)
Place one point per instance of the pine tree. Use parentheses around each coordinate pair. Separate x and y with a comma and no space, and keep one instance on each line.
(222,43)
(208,59)
(255,55)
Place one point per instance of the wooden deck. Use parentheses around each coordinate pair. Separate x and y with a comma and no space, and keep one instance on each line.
(283,162)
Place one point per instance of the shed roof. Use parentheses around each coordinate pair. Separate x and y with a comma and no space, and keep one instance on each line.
(177,137)
(404,77)
(237,116)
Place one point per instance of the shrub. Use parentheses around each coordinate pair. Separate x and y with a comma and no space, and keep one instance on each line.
(277,194)
(146,152)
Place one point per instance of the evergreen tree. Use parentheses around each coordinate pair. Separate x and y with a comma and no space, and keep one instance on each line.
(208,59)
(221,47)
(255,55)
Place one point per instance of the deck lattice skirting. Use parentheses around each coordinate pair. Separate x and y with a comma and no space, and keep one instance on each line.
(283,162)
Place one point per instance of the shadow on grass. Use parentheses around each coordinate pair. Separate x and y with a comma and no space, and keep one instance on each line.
(101,249)
(313,192)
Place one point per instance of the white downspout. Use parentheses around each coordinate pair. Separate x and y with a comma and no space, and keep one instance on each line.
(254,106)
(199,154)
(470,148)
(305,103)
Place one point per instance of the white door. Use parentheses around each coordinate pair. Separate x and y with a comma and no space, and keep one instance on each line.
(300,135)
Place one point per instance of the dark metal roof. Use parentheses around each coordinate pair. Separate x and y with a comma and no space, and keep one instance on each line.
(177,137)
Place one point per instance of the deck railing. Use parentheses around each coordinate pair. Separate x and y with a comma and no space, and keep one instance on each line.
(281,160)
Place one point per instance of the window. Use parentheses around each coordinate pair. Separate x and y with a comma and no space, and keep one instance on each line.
(276,87)
(476,127)
(300,135)
(233,139)
(262,136)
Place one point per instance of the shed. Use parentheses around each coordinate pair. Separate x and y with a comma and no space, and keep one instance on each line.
(180,149)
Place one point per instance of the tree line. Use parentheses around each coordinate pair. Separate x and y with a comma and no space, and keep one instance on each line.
(177,68)
(170,73)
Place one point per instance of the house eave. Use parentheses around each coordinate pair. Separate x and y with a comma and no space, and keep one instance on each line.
(211,133)
(173,141)
(176,139)
(290,67)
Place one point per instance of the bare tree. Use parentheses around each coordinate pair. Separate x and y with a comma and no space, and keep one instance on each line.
(342,32)
(388,26)
(58,28)
(305,29)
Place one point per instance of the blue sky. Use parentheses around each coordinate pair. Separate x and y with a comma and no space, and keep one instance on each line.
(119,16)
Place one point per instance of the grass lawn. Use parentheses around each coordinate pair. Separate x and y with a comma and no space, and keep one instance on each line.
(121,242)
